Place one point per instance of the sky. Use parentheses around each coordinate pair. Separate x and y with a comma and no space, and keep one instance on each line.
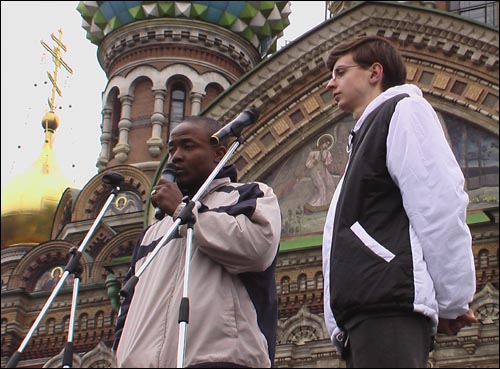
(26,87)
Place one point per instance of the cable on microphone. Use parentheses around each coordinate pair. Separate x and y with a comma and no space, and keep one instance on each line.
(169,174)
(235,127)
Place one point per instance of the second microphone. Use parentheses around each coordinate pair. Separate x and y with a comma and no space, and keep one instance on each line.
(169,174)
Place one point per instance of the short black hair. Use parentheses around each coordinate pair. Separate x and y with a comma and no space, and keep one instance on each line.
(211,125)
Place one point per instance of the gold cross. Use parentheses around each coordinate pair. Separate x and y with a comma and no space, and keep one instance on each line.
(56,58)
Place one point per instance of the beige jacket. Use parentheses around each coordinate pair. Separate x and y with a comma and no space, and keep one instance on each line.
(237,230)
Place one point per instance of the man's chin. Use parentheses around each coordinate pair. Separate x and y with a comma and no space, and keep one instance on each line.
(184,187)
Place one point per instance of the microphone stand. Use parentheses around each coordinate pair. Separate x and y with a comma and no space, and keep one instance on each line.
(185,217)
(114,179)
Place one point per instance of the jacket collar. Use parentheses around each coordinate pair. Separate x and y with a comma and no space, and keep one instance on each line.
(228,171)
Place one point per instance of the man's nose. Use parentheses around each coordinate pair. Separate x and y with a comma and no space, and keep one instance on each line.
(330,84)
(175,156)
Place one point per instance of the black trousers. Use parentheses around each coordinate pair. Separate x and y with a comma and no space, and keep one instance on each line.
(390,342)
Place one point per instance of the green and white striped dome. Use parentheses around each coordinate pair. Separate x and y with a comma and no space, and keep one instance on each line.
(260,22)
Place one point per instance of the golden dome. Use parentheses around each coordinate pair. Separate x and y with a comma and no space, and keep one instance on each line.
(30,201)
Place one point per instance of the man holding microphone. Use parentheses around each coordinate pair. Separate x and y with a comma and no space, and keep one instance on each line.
(233,302)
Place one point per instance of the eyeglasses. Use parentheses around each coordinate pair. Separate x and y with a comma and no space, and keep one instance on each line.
(339,72)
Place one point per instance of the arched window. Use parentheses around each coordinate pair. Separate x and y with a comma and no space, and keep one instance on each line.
(83,322)
(285,285)
(116,111)
(302,282)
(51,326)
(66,323)
(38,330)
(177,105)
(318,278)
(99,319)
(211,92)
(483,258)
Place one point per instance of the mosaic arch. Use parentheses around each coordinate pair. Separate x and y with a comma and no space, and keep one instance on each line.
(305,181)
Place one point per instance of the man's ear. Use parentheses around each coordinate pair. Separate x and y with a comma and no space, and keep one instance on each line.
(377,73)
(220,151)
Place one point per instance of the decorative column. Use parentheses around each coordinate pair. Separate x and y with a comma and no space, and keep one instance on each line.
(196,99)
(103,159)
(155,143)
(122,148)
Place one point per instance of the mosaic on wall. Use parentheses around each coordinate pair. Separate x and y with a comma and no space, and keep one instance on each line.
(476,151)
(51,277)
(306,180)
(125,202)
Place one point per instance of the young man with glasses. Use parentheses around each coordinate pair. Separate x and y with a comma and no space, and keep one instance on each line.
(397,255)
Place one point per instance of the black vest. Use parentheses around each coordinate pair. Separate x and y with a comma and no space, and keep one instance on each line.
(362,282)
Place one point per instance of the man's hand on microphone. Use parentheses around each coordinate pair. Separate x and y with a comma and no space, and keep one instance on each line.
(166,195)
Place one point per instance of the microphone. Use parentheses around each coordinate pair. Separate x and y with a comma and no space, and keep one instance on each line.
(169,174)
(235,127)
(113,178)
